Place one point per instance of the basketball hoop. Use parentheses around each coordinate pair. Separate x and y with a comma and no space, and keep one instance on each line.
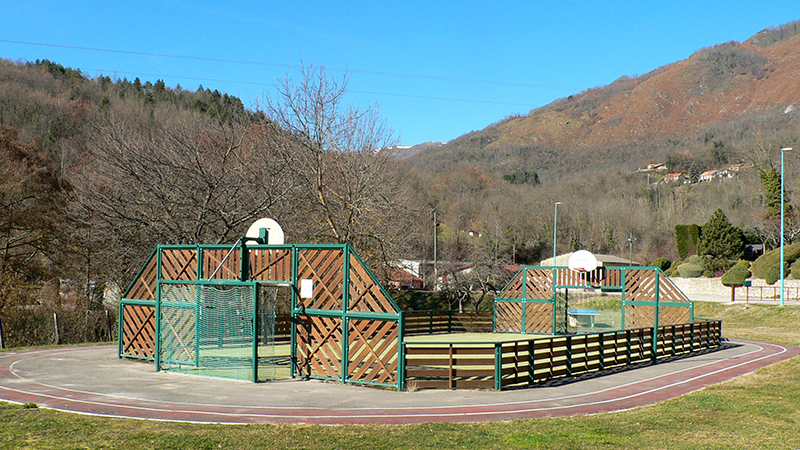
(582,261)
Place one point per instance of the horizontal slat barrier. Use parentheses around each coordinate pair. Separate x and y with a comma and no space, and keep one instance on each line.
(437,322)
(513,364)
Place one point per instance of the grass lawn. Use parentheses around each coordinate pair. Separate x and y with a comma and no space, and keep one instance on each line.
(758,410)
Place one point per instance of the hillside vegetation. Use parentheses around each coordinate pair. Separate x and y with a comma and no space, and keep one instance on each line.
(728,108)
(98,171)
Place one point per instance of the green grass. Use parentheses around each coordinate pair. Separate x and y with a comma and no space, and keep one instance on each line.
(758,410)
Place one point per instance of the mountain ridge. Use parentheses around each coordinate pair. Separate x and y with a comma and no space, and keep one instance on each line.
(755,83)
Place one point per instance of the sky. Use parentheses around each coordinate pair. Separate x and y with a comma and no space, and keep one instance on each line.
(436,70)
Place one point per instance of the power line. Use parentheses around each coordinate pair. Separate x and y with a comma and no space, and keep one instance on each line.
(254,83)
(289,66)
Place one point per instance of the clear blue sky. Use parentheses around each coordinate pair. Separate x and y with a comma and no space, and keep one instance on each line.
(437,69)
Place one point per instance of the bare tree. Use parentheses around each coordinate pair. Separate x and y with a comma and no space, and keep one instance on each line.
(353,189)
(178,180)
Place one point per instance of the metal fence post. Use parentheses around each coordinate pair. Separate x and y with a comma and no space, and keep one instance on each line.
(498,366)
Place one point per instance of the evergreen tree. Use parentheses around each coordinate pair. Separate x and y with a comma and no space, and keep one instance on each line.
(771,182)
(721,241)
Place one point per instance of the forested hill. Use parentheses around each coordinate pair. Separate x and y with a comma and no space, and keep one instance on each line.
(708,108)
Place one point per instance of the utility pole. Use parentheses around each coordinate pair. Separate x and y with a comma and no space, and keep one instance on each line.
(631,240)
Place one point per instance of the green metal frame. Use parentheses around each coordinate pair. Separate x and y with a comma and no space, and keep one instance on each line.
(657,303)
(244,279)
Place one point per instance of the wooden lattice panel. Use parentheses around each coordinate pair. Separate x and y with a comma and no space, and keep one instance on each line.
(271,265)
(539,317)
(513,289)
(178,264)
(668,292)
(144,286)
(508,316)
(326,268)
(373,351)
(365,293)
(319,346)
(213,262)
(639,316)
(138,330)
(669,315)
(640,286)
(539,284)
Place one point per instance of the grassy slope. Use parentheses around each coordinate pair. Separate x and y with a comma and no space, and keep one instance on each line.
(759,410)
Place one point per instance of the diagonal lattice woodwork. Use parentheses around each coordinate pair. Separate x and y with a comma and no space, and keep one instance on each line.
(638,316)
(513,289)
(145,284)
(668,292)
(539,284)
(373,351)
(508,316)
(138,330)
(326,268)
(539,318)
(669,315)
(366,294)
(319,348)
(178,264)
(271,265)
(213,262)
(640,285)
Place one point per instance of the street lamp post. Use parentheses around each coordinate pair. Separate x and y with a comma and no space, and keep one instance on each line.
(555,232)
(631,240)
(783,150)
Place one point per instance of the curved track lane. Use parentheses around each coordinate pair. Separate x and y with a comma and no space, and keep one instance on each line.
(91,380)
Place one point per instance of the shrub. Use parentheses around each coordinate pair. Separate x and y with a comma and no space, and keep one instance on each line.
(735,276)
(772,274)
(690,270)
(663,263)
(770,260)
(795,270)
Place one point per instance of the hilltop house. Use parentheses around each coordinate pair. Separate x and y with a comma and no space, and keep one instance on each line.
(676,177)
(708,175)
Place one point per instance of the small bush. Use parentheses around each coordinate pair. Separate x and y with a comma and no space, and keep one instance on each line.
(772,274)
(696,260)
(690,270)
(735,276)
(663,263)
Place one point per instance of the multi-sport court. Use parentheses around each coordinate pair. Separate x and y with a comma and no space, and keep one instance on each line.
(267,312)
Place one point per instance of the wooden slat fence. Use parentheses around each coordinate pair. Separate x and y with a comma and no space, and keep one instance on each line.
(438,322)
(503,365)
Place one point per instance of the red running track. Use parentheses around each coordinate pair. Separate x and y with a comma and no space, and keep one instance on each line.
(91,380)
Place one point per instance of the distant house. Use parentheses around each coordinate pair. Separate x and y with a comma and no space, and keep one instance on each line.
(708,175)
(404,279)
(677,177)
(654,167)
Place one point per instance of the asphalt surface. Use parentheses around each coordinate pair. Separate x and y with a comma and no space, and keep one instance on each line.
(92,380)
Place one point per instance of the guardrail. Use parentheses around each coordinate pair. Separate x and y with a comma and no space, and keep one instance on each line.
(501,365)
(766,294)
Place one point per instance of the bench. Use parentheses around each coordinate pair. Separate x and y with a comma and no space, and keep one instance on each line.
(583,314)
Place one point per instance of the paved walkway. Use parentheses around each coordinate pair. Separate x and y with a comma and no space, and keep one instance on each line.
(91,380)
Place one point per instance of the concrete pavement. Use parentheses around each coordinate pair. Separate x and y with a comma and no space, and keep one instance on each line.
(92,380)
